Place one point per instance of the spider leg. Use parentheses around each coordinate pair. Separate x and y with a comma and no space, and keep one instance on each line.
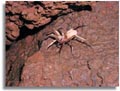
(57,32)
(58,45)
(83,40)
(60,49)
(80,26)
(80,38)
(51,44)
(62,34)
(71,48)
(52,36)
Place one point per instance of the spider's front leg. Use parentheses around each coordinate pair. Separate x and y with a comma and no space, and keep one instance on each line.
(53,36)
(53,42)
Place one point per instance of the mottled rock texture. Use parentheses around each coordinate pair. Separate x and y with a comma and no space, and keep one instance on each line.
(30,64)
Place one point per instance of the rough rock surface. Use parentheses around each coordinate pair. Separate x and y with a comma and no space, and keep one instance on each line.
(31,65)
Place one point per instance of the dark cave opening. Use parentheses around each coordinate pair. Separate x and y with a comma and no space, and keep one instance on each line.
(81,7)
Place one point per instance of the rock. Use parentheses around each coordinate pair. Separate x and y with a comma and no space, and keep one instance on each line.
(8,42)
(32,71)
(30,14)
(29,26)
(14,18)
(42,21)
(28,40)
(12,32)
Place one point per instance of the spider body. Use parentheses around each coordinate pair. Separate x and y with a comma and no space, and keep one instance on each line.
(61,38)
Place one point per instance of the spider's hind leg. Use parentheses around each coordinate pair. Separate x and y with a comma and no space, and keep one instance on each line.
(60,48)
(71,48)
(82,40)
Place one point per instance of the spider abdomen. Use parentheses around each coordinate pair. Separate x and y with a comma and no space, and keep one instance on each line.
(71,33)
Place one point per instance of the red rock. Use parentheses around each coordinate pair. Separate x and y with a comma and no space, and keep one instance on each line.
(14,18)
(61,6)
(15,34)
(32,72)
(28,40)
(37,57)
(39,9)
(29,26)
(42,21)
(95,64)
(12,31)
(30,14)
(48,4)
(19,23)
(10,37)
(8,42)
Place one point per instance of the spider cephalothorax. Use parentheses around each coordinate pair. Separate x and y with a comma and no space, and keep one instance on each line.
(61,38)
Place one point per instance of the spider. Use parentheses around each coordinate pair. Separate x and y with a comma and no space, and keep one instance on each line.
(61,38)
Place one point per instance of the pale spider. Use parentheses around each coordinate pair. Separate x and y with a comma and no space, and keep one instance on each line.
(61,38)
